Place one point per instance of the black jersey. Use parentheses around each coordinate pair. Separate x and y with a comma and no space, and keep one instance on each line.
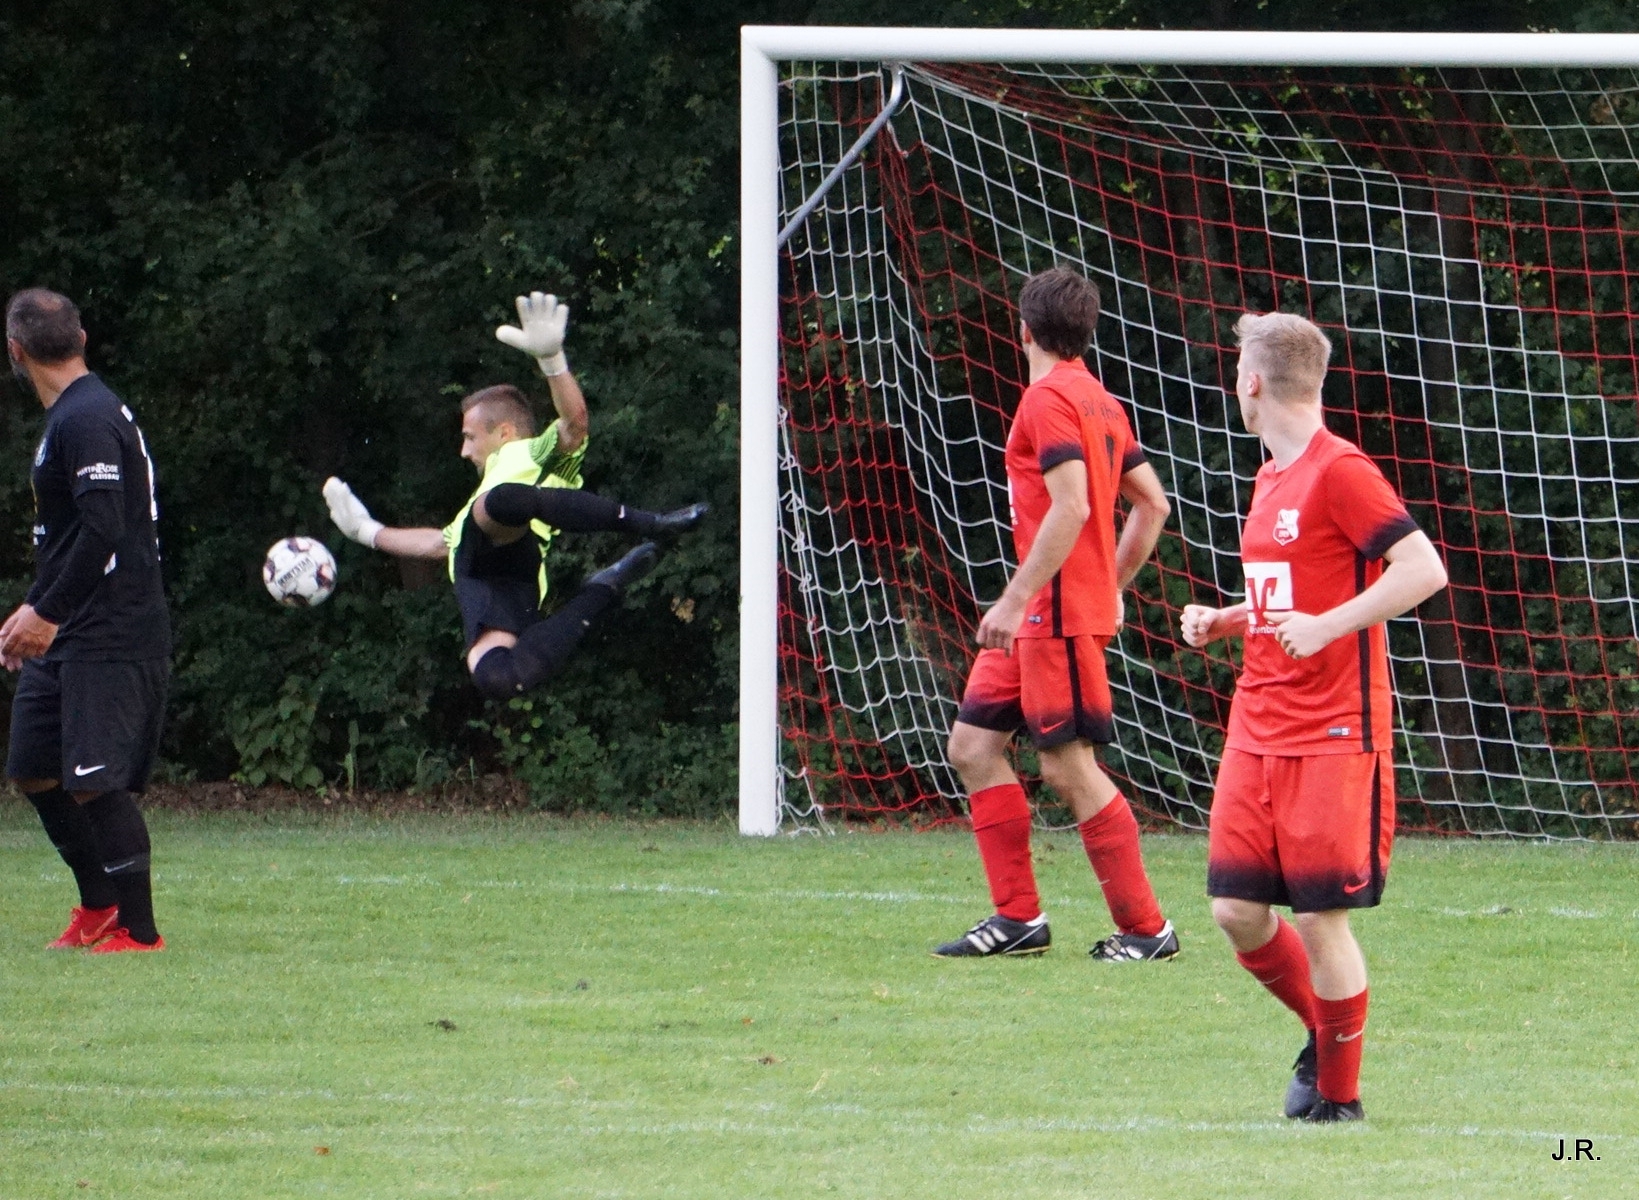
(96,545)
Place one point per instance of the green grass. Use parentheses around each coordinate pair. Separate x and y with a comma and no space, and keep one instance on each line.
(672,1011)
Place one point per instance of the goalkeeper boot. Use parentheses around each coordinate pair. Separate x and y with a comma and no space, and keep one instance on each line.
(121,941)
(637,563)
(1325,1111)
(1304,1090)
(1132,947)
(85,926)
(679,519)
(997,934)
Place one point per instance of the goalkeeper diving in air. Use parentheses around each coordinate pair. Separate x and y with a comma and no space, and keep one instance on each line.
(530,490)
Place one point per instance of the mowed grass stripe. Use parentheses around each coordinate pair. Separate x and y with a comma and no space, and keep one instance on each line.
(672,1011)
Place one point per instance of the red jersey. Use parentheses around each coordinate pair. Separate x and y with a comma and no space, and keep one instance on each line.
(1313,539)
(1068,415)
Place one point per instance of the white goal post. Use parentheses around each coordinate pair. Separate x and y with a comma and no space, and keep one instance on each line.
(765,48)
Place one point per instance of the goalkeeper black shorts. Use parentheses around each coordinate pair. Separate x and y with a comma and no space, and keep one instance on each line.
(498,602)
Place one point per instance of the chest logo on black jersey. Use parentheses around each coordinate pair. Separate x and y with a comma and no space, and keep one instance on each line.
(40,453)
(1286,526)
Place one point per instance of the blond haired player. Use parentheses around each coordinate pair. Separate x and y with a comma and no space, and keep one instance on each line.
(1303,813)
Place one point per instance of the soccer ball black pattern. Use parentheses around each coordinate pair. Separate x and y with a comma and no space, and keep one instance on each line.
(299,572)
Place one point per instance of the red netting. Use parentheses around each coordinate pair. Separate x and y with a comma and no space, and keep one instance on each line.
(1464,238)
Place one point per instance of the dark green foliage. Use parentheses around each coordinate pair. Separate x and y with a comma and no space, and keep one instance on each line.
(292,230)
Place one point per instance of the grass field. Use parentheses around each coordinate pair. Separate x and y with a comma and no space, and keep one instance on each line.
(520,1008)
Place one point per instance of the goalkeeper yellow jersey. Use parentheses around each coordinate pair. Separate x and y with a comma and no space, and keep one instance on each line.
(535,461)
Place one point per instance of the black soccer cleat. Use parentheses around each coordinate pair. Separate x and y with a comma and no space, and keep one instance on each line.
(1130,947)
(1304,1090)
(997,934)
(680,519)
(1325,1111)
(637,563)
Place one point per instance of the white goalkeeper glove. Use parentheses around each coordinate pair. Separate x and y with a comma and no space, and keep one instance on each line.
(349,513)
(543,322)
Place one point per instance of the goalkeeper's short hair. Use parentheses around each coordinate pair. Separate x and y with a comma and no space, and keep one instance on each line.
(503,402)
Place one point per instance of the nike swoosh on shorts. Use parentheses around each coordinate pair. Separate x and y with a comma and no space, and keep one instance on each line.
(89,770)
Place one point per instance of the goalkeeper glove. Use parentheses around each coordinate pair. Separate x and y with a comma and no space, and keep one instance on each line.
(543,322)
(349,513)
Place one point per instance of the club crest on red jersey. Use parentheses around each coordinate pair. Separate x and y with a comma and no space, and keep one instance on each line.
(1286,526)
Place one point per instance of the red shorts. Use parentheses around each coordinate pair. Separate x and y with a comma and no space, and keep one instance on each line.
(1056,688)
(1313,833)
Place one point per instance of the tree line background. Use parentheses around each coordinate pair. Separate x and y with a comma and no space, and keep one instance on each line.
(292,228)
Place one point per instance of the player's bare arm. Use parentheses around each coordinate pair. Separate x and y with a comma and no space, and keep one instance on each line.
(1413,573)
(1141,488)
(355,521)
(1200,624)
(1070,509)
(539,333)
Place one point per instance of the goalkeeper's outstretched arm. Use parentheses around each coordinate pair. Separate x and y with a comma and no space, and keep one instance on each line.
(355,521)
(539,333)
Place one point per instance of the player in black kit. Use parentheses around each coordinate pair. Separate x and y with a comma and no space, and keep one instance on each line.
(92,641)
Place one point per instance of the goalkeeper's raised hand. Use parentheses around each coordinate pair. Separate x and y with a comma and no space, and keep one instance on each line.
(542,322)
(349,513)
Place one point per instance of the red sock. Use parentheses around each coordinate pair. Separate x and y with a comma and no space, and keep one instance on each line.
(1111,838)
(1001,826)
(1282,965)
(1339,1036)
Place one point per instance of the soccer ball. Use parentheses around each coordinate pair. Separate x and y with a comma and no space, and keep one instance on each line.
(299,572)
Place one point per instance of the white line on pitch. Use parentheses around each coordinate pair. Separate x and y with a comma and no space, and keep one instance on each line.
(979,1126)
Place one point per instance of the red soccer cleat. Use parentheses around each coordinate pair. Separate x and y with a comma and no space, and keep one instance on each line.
(121,940)
(85,926)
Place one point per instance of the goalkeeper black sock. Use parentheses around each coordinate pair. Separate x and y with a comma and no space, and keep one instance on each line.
(70,831)
(569,509)
(542,649)
(122,844)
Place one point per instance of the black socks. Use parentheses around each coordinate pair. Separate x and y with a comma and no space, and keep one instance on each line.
(544,648)
(70,831)
(123,847)
(569,509)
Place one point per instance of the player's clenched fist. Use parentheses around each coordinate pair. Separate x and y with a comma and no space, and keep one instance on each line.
(1301,634)
(542,323)
(1196,623)
(999,624)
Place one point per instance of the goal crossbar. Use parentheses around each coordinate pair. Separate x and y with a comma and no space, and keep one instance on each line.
(763,48)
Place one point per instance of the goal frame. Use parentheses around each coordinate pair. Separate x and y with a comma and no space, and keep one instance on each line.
(764,47)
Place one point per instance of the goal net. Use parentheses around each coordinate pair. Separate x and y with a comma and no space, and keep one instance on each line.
(1468,238)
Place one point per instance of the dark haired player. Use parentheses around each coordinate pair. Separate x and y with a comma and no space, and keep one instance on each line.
(1303,811)
(92,641)
(529,491)
(1070,453)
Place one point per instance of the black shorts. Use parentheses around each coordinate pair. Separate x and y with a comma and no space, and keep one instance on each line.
(497,587)
(93,725)
(510,604)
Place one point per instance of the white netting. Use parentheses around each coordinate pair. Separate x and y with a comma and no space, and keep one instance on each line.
(1464,237)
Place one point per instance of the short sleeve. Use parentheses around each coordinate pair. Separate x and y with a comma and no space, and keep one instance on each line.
(556,463)
(1364,506)
(1133,458)
(92,454)
(1053,427)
